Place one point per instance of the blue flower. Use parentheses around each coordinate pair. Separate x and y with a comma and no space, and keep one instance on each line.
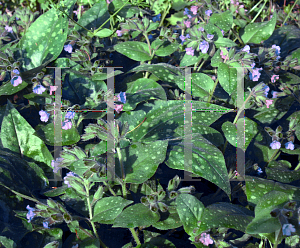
(70,115)
(68,48)
(275,145)
(68,177)
(122,97)
(156,18)
(204,46)
(259,170)
(30,213)
(150,36)
(39,89)
(55,164)
(287,229)
(16,71)
(45,224)
(210,36)
(44,115)
(254,75)
(246,49)
(289,145)
(208,12)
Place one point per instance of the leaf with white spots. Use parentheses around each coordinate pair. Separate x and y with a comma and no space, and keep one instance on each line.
(223,20)
(190,211)
(257,187)
(7,89)
(227,77)
(44,40)
(189,60)
(206,161)
(135,50)
(141,160)
(259,31)
(276,110)
(263,221)
(224,42)
(172,221)
(17,135)
(136,216)
(224,214)
(281,171)
(201,84)
(140,90)
(108,208)
(164,117)
(230,132)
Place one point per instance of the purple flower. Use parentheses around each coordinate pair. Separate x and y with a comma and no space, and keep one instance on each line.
(206,239)
(186,11)
(70,115)
(274,78)
(194,9)
(8,29)
(289,145)
(30,213)
(182,37)
(208,12)
(275,145)
(189,51)
(277,49)
(122,97)
(210,36)
(253,65)
(45,224)
(247,49)
(68,48)
(266,89)
(201,29)
(15,81)
(68,177)
(187,24)
(119,32)
(44,115)
(55,164)
(67,124)
(156,18)
(259,170)
(222,32)
(287,229)
(39,89)
(204,46)
(254,76)
(274,93)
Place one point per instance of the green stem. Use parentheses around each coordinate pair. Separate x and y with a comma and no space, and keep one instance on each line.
(121,161)
(86,186)
(198,69)
(136,238)
(242,108)
(261,9)
(213,90)
(109,188)
(79,12)
(110,17)
(238,37)
(164,15)
(255,6)
(289,12)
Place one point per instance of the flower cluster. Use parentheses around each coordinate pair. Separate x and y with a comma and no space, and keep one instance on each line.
(122,98)
(254,75)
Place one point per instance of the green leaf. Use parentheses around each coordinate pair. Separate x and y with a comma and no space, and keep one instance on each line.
(141,162)
(17,135)
(188,60)
(289,78)
(107,209)
(53,244)
(143,216)
(227,77)
(104,33)
(7,89)
(134,50)
(165,47)
(172,221)
(202,84)
(44,39)
(141,90)
(7,243)
(56,192)
(230,132)
(224,20)
(94,17)
(263,221)
(257,32)
(281,172)
(190,210)
(224,42)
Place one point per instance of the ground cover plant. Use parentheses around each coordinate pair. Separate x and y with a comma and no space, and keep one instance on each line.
(169,123)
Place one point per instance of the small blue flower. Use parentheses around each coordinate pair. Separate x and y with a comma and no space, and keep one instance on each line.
(122,97)
(156,18)
(68,48)
(44,115)
(150,36)
(39,89)
(289,145)
(287,229)
(30,213)
(204,46)
(16,71)
(259,170)
(67,178)
(186,11)
(45,224)
(210,36)
(275,145)
(70,115)
(246,49)
(208,12)
(8,29)
(55,164)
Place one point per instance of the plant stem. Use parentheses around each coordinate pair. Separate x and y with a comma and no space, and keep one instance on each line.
(109,188)
(136,238)
(201,65)
(255,6)
(261,9)
(289,13)
(121,162)
(164,15)
(213,90)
